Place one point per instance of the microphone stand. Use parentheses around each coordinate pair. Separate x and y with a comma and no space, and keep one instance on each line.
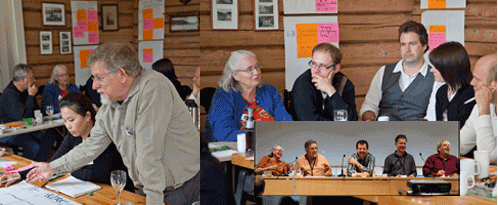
(342,168)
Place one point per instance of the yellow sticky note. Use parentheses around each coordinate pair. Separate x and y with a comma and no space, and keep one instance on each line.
(147,35)
(307,38)
(158,23)
(81,15)
(84,54)
(437,28)
(437,4)
(147,13)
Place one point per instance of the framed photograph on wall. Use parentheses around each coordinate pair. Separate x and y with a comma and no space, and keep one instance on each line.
(110,17)
(225,14)
(65,42)
(45,42)
(53,14)
(182,23)
(266,14)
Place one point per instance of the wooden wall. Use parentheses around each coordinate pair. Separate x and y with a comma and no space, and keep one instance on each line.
(181,48)
(368,39)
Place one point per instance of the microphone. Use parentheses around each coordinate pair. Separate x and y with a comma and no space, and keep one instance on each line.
(420,153)
(342,168)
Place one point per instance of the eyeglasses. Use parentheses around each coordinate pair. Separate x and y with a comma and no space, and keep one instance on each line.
(314,148)
(62,75)
(99,79)
(321,66)
(251,69)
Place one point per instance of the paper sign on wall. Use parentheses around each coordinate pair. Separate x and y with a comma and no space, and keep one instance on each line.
(437,36)
(309,6)
(310,35)
(150,19)
(81,68)
(149,52)
(85,22)
(326,6)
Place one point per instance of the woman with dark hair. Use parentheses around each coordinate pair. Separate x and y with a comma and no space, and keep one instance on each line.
(272,163)
(79,117)
(451,65)
(165,66)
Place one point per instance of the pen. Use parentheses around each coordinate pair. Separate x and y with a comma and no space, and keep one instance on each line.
(9,180)
(55,177)
(470,100)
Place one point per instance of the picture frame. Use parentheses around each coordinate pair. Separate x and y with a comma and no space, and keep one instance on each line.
(110,20)
(45,42)
(266,14)
(53,14)
(225,14)
(65,42)
(184,23)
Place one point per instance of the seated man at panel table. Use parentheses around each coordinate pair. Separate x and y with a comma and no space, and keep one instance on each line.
(272,163)
(442,163)
(400,162)
(322,88)
(402,90)
(17,102)
(362,161)
(480,128)
(313,164)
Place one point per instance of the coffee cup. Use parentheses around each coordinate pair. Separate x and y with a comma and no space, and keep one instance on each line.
(464,183)
(482,158)
(241,142)
(470,166)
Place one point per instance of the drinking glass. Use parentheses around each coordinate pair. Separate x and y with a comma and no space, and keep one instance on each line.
(118,181)
(340,115)
(49,111)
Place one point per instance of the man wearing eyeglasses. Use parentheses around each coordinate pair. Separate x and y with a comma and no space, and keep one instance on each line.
(149,123)
(322,89)
(313,164)
(401,90)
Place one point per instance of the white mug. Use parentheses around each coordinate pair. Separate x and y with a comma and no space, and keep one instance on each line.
(241,142)
(383,118)
(469,166)
(464,183)
(482,158)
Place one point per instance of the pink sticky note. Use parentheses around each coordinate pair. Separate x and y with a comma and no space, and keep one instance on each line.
(147,57)
(326,5)
(77,32)
(93,37)
(436,39)
(148,24)
(92,15)
(83,25)
(328,32)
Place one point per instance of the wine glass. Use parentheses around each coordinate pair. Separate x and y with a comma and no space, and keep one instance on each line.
(340,115)
(118,181)
(49,111)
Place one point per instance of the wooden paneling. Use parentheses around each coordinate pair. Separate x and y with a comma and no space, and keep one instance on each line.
(368,39)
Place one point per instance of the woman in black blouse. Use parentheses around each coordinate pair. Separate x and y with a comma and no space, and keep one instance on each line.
(451,64)
(79,117)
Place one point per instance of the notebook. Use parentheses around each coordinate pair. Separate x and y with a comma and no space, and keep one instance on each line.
(73,187)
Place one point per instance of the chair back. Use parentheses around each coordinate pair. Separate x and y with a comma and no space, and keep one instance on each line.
(207,96)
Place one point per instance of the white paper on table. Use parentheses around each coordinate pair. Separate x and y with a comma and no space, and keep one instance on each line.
(224,153)
(250,158)
(24,193)
(4,162)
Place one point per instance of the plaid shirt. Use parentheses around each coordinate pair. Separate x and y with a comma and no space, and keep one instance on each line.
(368,164)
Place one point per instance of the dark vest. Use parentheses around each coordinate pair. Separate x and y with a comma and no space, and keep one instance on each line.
(407,105)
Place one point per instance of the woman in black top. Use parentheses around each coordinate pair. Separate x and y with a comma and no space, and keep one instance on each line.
(79,117)
(451,64)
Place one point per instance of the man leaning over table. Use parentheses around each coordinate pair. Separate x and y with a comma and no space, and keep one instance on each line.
(402,90)
(147,120)
(400,162)
(480,128)
(442,163)
(17,102)
(313,164)
(362,161)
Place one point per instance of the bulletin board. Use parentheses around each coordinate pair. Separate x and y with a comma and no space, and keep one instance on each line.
(150,19)
(309,6)
(149,52)
(81,69)
(85,22)
(301,35)
(444,26)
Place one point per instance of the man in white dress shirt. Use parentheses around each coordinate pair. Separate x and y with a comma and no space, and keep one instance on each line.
(480,129)
(401,90)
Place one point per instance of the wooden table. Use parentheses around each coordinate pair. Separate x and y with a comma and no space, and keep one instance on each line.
(30,128)
(339,186)
(107,195)
(435,200)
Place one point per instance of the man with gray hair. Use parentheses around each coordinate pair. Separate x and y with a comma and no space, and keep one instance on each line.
(442,163)
(479,130)
(17,102)
(149,123)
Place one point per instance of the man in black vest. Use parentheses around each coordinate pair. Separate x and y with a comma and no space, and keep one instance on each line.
(322,89)
(401,90)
